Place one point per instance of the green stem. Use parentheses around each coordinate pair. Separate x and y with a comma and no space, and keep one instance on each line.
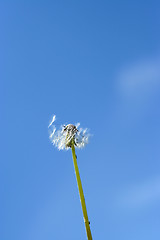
(88,231)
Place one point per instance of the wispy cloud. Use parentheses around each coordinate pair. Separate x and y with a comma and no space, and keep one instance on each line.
(139,77)
(141,195)
(137,86)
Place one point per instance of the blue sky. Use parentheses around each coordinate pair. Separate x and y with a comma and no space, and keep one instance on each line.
(93,62)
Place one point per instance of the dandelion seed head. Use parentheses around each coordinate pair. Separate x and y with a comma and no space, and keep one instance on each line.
(66,135)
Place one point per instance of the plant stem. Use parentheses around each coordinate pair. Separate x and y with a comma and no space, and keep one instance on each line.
(82,199)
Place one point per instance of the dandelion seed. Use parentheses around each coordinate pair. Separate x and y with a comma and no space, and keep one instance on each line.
(53,119)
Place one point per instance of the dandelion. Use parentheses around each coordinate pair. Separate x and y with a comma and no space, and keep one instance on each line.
(71,136)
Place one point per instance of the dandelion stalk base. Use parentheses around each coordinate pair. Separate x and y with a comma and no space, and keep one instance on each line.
(82,199)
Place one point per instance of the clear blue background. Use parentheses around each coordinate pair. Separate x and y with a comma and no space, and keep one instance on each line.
(93,62)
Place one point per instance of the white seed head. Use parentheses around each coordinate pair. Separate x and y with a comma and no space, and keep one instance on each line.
(68,135)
